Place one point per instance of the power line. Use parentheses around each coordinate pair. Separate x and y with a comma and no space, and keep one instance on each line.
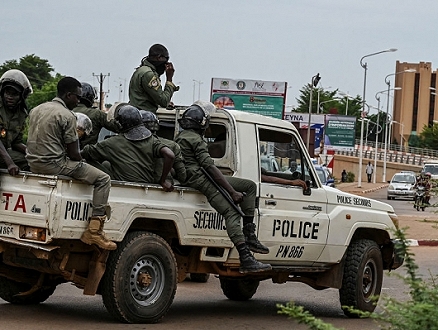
(100,78)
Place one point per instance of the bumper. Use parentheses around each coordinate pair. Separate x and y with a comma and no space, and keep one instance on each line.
(401,193)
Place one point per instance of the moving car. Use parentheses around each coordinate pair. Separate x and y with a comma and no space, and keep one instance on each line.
(402,185)
(431,167)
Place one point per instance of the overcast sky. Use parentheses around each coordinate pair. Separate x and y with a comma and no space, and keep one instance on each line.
(275,40)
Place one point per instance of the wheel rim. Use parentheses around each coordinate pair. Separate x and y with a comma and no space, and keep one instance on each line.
(146,281)
(369,280)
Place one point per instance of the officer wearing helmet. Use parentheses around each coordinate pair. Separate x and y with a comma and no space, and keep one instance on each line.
(145,91)
(195,120)
(132,153)
(84,126)
(53,148)
(97,117)
(14,89)
(178,171)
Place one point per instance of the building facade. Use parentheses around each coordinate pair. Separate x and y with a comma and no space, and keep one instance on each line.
(416,103)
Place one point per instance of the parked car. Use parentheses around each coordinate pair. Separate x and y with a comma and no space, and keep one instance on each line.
(402,185)
(270,164)
(325,176)
(432,168)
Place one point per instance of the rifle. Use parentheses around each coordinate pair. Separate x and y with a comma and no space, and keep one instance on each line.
(223,192)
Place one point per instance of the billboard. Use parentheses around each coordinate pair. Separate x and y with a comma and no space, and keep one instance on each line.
(332,132)
(255,96)
(340,132)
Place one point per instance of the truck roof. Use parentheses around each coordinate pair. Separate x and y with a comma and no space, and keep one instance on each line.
(238,115)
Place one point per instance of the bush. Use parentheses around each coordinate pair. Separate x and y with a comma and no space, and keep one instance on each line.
(417,313)
(350,177)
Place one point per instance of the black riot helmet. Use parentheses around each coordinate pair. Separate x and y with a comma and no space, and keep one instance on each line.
(88,94)
(197,116)
(17,80)
(128,118)
(150,120)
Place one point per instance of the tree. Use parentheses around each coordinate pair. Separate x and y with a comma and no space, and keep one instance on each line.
(46,93)
(38,70)
(429,137)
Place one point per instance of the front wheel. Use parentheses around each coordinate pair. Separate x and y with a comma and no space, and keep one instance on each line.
(239,289)
(363,276)
(140,280)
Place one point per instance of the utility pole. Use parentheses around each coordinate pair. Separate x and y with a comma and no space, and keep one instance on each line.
(100,78)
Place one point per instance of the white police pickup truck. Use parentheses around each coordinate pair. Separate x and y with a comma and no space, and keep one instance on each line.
(322,237)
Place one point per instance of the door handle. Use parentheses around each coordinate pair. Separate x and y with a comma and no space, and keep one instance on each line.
(270,202)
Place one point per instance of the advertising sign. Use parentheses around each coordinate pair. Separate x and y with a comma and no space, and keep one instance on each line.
(339,132)
(255,96)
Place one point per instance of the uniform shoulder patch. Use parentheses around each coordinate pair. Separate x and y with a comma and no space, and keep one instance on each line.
(155,83)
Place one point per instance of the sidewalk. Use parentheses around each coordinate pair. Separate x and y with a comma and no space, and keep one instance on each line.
(423,228)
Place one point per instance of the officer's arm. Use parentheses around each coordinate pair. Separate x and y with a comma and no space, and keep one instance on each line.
(152,85)
(12,168)
(21,147)
(73,151)
(168,157)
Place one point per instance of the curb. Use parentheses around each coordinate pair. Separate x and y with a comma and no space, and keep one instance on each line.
(423,242)
(374,189)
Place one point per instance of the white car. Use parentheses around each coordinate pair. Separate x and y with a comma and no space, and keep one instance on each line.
(402,185)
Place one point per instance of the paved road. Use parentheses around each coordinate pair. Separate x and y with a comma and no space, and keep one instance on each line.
(203,306)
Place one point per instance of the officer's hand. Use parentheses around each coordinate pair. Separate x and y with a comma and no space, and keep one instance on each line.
(169,71)
(300,183)
(237,197)
(167,186)
(13,169)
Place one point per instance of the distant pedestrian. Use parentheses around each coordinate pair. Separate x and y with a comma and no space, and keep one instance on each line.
(344,176)
(369,171)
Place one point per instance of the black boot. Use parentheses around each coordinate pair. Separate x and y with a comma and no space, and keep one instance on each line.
(248,264)
(252,240)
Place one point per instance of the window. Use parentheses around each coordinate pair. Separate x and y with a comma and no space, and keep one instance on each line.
(281,156)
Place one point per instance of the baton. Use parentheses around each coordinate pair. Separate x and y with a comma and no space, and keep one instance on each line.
(223,192)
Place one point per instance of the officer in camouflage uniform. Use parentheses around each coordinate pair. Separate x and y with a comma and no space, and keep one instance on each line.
(14,89)
(195,121)
(98,117)
(53,148)
(178,171)
(133,152)
(145,90)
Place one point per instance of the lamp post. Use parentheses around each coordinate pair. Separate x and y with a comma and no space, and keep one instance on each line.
(321,108)
(199,88)
(388,82)
(365,67)
(347,96)
(315,80)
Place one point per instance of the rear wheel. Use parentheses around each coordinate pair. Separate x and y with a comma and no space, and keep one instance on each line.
(363,277)
(239,289)
(9,290)
(140,280)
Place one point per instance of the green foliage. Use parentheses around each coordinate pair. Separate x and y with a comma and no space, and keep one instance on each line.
(350,177)
(37,70)
(417,313)
(304,317)
(46,93)
(429,137)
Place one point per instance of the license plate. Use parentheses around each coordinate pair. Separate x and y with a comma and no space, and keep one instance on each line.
(8,230)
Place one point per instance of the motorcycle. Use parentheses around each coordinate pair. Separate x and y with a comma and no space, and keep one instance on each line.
(420,198)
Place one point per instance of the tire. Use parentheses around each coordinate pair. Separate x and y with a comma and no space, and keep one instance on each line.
(141,256)
(239,289)
(9,289)
(199,277)
(363,276)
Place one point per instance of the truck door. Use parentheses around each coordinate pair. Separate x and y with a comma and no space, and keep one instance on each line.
(294,226)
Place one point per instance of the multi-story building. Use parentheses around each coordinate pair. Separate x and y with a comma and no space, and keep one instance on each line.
(416,104)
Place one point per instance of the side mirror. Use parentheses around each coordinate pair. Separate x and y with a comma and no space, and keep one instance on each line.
(307,191)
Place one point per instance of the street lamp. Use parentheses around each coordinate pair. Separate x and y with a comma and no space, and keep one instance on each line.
(365,67)
(401,133)
(388,82)
(199,88)
(347,96)
(315,80)
(322,108)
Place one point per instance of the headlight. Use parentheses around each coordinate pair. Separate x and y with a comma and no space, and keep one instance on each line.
(391,187)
